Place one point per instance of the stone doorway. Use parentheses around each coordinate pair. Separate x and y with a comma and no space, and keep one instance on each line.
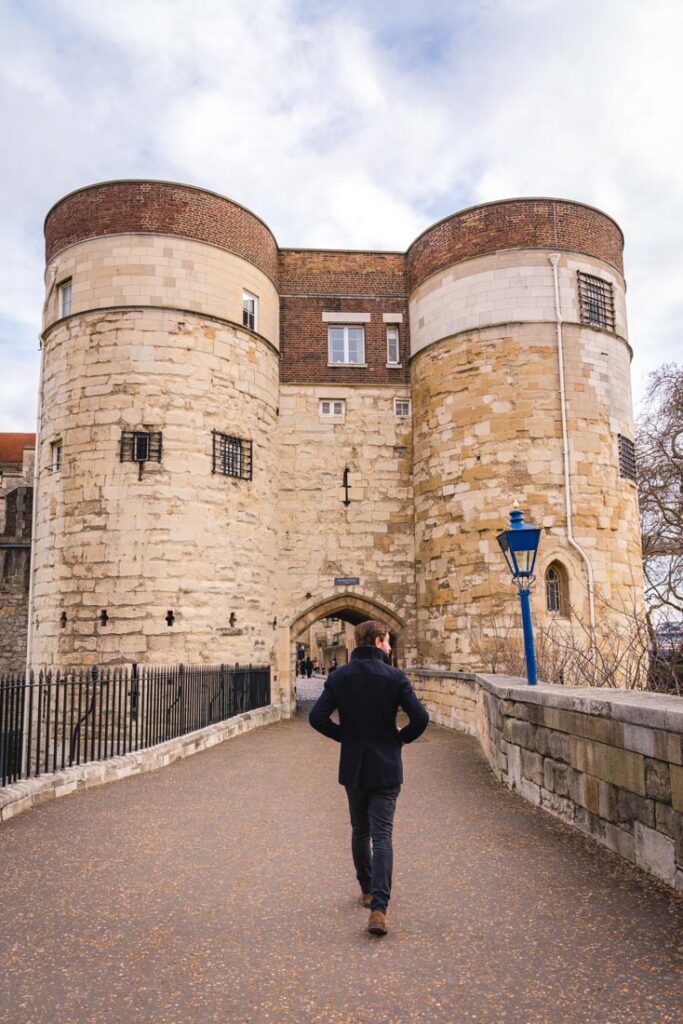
(329,619)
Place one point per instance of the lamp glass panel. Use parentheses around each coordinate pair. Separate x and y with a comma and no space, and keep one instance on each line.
(524,546)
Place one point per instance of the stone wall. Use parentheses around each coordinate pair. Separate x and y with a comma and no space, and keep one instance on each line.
(608,762)
(370,538)
(16,515)
(488,432)
(177,537)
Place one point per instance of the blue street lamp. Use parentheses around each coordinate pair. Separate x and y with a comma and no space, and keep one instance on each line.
(519,544)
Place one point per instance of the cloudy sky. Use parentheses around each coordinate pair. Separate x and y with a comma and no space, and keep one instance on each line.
(348,124)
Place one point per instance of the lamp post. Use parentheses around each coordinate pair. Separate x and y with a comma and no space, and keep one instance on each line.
(519,544)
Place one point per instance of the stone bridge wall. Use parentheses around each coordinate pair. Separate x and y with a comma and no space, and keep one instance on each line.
(608,762)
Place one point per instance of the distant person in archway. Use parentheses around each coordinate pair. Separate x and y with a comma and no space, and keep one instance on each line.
(308,665)
(368,693)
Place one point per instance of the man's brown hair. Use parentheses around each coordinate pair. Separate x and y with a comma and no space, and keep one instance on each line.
(367,632)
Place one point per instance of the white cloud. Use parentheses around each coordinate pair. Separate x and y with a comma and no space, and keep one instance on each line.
(349,125)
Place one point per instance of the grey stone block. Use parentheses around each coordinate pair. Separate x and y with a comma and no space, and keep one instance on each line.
(542,740)
(655,853)
(634,808)
(532,767)
(657,780)
(665,820)
(521,733)
(608,801)
(621,842)
(557,804)
(555,777)
(559,746)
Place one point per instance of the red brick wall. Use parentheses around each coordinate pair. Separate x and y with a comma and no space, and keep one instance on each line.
(158,207)
(514,224)
(315,281)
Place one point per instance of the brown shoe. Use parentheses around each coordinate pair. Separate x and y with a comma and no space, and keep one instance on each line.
(378,923)
(366,898)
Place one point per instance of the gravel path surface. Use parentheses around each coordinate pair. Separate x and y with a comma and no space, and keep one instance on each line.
(221,889)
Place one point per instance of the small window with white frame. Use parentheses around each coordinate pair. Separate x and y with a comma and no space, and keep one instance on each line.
(56,454)
(393,348)
(402,407)
(65,298)
(346,345)
(332,408)
(250,310)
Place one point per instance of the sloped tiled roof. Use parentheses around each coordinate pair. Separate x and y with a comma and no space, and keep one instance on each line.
(12,447)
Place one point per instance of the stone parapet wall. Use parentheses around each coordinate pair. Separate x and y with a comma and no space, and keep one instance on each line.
(161,208)
(315,272)
(22,796)
(608,762)
(515,224)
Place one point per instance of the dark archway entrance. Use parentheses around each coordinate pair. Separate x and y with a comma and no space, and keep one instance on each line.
(345,608)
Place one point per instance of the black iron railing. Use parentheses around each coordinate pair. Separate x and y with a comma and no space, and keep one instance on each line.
(53,720)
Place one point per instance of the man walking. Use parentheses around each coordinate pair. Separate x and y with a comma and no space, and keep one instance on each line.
(368,693)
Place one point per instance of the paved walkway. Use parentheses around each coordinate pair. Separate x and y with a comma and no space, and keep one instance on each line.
(221,889)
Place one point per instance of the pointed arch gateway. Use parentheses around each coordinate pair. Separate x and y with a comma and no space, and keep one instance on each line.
(352,608)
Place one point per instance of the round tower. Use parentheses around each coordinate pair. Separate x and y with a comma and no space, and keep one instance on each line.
(521,391)
(155,531)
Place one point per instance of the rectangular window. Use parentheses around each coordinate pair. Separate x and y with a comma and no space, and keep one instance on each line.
(250,311)
(393,353)
(402,407)
(232,456)
(596,301)
(346,345)
(56,455)
(140,446)
(627,457)
(332,407)
(65,298)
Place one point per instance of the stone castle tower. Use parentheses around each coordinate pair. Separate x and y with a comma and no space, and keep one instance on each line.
(237,439)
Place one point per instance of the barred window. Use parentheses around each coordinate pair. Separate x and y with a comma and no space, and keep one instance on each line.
(627,457)
(556,589)
(232,456)
(402,407)
(140,446)
(596,301)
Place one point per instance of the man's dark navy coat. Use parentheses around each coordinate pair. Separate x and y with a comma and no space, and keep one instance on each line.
(368,693)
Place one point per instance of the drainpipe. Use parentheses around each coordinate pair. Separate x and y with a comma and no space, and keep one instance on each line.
(50,283)
(554,260)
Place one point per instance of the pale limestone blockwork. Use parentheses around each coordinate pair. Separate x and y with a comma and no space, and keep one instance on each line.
(178,273)
(488,432)
(180,538)
(372,537)
(505,287)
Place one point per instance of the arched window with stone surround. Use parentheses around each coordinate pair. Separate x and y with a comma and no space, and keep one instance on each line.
(557,589)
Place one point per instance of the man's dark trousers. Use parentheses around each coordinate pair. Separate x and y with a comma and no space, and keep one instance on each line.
(372,818)
(368,692)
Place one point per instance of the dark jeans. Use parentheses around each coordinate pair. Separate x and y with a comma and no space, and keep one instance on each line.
(372,818)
